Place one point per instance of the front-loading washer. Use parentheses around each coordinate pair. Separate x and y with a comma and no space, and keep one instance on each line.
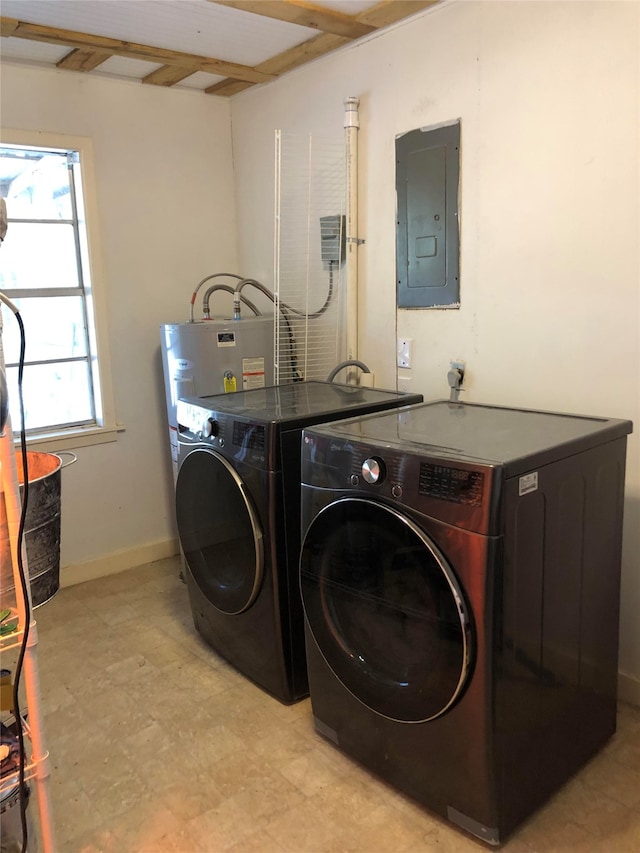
(238,515)
(460,576)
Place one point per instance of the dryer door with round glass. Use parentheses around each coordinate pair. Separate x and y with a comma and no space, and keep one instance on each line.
(385,610)
(219,531)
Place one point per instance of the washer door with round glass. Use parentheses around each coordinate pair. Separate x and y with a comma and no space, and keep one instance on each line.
(385,610)
(219,531)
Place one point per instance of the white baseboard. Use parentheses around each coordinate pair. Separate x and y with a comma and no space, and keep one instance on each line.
(117,562)
(629,689)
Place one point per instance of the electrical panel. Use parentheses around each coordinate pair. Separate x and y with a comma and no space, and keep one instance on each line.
(427,234)
(332,238)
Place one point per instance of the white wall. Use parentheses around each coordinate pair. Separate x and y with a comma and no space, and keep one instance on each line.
(548,95)
(164,176)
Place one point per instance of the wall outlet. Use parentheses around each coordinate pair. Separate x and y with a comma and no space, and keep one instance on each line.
(405,352)
(404,384)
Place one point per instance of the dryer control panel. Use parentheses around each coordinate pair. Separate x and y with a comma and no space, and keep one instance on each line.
(457,492)
(458,485)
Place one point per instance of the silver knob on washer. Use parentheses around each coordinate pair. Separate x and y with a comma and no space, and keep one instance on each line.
(373,470)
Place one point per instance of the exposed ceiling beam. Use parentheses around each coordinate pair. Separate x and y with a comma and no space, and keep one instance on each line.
(303,14)
(381,15)
(81,59)
(337,29)
(8,26)
(289,59)
(70,38)
(169,75)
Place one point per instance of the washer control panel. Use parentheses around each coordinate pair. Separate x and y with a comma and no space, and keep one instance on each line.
(200,424)
(236,437)
(211,427)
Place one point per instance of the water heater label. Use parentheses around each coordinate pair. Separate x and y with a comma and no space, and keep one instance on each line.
(253,375)
(528,483)
(226,339)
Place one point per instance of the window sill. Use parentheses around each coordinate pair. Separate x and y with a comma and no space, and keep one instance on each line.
(71,439)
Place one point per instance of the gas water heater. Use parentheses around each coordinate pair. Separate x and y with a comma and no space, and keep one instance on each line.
(214,357)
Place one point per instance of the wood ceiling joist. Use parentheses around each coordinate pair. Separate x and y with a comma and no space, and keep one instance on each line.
(302,53)
(227,88)
(71,38)
(286,61)
(337,29)
(83,59)
(8,26)
(381,15)
(169,75)
(303,14)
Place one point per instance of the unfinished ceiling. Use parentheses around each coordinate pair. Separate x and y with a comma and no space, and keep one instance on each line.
(219,47)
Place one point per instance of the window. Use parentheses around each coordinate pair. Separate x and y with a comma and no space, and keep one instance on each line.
(48,269)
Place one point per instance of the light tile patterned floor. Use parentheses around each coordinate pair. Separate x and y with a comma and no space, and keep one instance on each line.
(158,746)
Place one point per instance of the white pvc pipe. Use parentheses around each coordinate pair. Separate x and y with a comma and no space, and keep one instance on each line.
(352,125)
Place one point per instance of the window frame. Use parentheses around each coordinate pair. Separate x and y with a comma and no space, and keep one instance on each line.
(106,428)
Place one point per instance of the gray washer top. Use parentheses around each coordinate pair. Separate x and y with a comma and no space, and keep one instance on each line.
(491,434)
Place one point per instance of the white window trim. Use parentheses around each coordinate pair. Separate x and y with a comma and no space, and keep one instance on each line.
(107,429)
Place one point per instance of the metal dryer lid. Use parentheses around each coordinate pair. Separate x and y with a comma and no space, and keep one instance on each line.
(491,434)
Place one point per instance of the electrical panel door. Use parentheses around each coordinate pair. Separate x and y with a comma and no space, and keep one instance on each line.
(427,239)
